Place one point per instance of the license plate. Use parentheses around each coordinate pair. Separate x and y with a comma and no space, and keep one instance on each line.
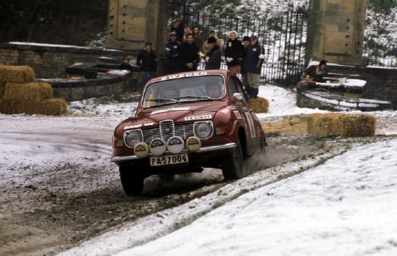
(170,159)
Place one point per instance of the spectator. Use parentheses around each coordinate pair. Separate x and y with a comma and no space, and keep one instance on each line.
(126,65)
(171,54)
(198,40)
(147,60)
(317,73)
(218,42)
(186,32)
(246,43)
(189,56)
(214,56)
(178,28)
(253,65)
(233,53)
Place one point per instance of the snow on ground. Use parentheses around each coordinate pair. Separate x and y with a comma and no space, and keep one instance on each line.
(344,206)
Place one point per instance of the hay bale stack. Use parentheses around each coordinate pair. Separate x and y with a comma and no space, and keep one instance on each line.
(259,105)
(344,125)
(18,93)
(29,92)
(291,126)
(16,74)
(54,107)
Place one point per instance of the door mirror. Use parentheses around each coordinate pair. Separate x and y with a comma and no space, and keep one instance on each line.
(133,110)
(238,96)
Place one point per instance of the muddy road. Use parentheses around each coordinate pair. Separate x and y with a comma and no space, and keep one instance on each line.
(58,187)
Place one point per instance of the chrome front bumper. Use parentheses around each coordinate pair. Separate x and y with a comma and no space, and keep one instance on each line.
(185,151)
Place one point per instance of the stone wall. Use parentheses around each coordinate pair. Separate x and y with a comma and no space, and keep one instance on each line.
(50,61)
(381,82)
(79,89)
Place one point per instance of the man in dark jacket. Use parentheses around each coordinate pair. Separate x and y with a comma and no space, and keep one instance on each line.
(171,54)
(214,56)
(253,65)
(189,56)
(233,53)
(147,60)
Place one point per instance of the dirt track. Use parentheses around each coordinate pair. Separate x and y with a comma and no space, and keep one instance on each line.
(44,210)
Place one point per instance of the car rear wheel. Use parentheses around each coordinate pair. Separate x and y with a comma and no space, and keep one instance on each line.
(232,164)
(132,183)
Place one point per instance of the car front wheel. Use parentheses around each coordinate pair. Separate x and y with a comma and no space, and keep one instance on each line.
(132,183)
(232,164)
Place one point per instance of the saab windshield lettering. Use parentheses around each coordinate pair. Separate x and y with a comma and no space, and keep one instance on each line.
(183,75)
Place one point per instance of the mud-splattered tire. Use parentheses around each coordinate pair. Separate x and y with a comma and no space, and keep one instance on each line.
(232,164)
(131,182)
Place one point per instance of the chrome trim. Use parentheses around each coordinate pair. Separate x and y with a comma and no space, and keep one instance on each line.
(226,146)
(211,125)
(128,132)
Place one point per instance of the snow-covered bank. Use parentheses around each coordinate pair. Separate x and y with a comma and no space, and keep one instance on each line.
(345,206)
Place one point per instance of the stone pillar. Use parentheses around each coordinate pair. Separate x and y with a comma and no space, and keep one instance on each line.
(336,31)
(131,23)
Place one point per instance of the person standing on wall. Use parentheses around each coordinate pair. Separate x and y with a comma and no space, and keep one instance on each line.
(253,65)
(178,28)
(233,54)
(171,54)
(214,56)
(246,43)
(189,56)
(147,60)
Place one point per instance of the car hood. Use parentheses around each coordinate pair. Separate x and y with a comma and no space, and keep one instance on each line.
(178,112)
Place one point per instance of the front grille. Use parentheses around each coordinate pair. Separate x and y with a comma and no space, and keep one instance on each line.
(183,130)
(167,129)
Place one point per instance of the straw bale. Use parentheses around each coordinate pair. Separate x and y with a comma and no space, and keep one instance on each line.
(259,105)
(32,91)
(344,125)
(54,107)
(2,91)
(292,126)
(16,74)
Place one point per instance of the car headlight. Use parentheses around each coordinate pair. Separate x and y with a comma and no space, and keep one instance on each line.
(131,138)
(203,130)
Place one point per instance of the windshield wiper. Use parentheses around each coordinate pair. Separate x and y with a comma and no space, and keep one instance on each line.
(194,97)
(161,100)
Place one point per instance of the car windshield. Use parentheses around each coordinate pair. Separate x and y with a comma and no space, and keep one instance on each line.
(187,89)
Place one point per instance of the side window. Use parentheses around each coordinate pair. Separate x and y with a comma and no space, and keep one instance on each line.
(240,89)
(232,88)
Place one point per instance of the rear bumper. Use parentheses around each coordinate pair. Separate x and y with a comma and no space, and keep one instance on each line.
(209,149)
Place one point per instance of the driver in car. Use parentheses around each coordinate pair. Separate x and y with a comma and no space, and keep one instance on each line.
(171,92)
(214,90)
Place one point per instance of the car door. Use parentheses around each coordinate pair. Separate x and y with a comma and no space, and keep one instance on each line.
(253,122)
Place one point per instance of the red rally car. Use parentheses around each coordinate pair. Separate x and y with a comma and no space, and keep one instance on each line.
(185,122)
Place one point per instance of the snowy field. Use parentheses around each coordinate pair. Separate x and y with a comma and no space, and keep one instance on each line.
(343,206)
